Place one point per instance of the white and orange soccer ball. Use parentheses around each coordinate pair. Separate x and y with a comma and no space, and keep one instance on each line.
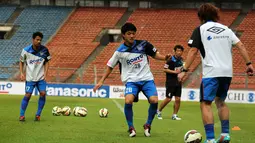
(80,111)
(103,112)
(66,111)
(192,136)
(56,111)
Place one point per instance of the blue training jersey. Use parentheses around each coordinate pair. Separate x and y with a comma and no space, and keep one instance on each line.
(35,61)
(134,61)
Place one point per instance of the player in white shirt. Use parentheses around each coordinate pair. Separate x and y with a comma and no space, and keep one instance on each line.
(215,42)
(36,57)
(132,56)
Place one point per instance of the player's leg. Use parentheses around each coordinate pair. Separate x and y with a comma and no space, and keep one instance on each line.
(29,87)
(165,101)
(208,91)
(177,102)
(150,91)
(41,86)
(130,92)
(223,110)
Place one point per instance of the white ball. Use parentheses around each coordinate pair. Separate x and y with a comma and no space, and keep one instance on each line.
(80,111)
(66,111)
(103,112)
(75,110)
(192,136)
(56,111)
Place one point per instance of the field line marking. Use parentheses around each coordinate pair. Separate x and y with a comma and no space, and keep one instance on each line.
(118,105)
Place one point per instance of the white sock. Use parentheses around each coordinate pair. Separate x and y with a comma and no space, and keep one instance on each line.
(174,115)
(159,112)
(224,134)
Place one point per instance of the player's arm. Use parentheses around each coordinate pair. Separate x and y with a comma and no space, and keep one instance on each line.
(46,64)
(170,71)
(246,57)
(110,65)
(101,81)
(153,52)
(21,65)
(195,43)
(158,56)
(190,58)
(167,70)
(46,67)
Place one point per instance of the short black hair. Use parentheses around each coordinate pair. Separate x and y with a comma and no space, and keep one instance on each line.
(128,27)
(178,47)
(37,34)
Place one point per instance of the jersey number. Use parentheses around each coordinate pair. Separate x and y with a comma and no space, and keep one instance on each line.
(137,66)
(128,90)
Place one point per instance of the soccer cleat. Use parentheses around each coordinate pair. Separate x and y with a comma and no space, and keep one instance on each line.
(223,139)
(37,118)
(159,116)
(132,132)
(147,130)
(22,118)
(176,117)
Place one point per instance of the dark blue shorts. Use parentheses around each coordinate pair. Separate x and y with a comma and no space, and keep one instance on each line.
(212,87)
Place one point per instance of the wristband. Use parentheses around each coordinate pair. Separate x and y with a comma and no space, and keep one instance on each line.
(248,63)
(184,70)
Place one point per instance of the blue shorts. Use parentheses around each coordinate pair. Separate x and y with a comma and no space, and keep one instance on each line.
(147,87)
(212,87)
(40,85)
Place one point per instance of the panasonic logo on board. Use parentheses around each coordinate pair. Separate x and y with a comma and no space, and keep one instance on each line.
(81,92)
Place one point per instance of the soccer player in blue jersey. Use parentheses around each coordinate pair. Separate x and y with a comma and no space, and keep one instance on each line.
(215,42)
(132,56)
(36,57)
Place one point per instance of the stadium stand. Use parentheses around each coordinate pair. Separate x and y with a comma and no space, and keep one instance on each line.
(6,12)
(164,28)
(37,18)
(74,41)
(248,38)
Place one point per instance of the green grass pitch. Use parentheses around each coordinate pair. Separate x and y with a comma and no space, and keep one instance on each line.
(93,129)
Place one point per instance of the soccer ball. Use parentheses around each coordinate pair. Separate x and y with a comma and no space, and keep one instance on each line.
(80,111)
(66,111)
(56,111)
(192,136)
(103,112)
(75,110)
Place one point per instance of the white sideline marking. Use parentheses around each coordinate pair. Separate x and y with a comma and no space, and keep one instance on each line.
(118,105)
(122,109)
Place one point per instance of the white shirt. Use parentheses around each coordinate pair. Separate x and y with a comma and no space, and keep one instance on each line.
(133,61)
(35,61)
(215,42)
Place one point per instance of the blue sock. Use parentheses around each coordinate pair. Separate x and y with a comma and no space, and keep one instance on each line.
(225,126)
(129,114)
(209,130)
(41,103)
(152,111)
(24,104)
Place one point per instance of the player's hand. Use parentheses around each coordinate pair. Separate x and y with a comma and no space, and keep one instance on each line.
(97,86)
(181,76)
(22,77)
(250,70)
(178,71)
(167,56)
